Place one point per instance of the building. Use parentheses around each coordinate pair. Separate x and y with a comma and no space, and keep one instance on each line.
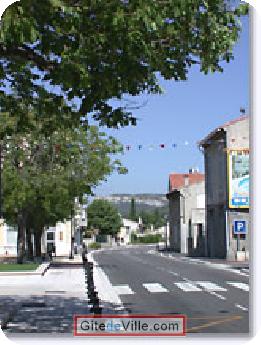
(59,239)
(8,240)
(187,212)
(66,236)
(129,227)
(226,154)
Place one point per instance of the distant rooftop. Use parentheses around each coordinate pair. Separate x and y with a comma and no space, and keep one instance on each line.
(178,181)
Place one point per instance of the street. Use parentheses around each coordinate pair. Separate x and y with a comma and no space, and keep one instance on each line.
(214,298)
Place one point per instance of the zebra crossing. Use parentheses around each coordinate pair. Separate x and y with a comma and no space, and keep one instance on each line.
(186,286)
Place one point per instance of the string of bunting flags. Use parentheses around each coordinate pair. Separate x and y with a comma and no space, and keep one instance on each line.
(126,147)
(152,147)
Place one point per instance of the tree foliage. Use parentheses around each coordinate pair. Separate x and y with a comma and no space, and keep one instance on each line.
(103,216)
(153,218)
(133,213)
(43,176)
(69,58)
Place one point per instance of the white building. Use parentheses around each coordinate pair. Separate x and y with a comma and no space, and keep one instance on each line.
(129,227)
(57,239)
(8,240)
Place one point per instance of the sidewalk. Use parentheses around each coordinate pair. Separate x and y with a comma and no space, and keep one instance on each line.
(45,304)
(240,266)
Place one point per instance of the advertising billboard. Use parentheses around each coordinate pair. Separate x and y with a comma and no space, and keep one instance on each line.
(238,179)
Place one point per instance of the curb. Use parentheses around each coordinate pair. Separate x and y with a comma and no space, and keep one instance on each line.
(109,298)
(40,271)
(192,260)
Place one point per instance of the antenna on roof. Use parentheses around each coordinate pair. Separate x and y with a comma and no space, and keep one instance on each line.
(242,111)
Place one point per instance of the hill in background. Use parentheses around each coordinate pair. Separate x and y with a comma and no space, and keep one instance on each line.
(143,202)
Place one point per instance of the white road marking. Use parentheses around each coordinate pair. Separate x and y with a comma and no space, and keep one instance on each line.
(103,285)
(196,261)
(241,307)
(210,286)
(123,290)
(238,285)
(154,287)
(217,295)
(187,287)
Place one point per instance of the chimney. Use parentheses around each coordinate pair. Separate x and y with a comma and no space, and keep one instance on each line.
(193,170)
(186,180)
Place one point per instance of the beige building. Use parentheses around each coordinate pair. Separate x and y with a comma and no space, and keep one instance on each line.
(187,213)
(226,154)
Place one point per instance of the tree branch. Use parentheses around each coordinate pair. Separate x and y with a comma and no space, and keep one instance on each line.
(27,54)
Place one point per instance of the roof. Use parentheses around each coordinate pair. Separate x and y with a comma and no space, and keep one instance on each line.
(178,181)
(220,128)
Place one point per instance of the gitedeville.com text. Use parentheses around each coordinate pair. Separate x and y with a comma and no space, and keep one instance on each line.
(127,325)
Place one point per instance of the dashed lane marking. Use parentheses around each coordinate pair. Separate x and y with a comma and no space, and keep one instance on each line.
(239,285)
(241,307)
(213,293)
(154,287)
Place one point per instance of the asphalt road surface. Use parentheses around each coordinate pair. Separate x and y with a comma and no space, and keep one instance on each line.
(215,300)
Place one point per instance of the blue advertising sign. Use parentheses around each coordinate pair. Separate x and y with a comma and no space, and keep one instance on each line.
(240,227)
(238,164)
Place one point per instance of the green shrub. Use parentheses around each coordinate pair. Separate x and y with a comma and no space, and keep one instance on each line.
(94,245)
(146,239)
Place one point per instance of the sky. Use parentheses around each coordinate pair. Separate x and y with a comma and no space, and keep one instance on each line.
(183,115)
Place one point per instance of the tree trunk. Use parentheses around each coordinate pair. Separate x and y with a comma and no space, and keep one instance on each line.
(29,244)
(21,238)
(37,243)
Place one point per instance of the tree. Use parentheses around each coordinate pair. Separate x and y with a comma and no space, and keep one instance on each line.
(132,214)
(155,218)
(43,176)
(103,216)
(67,59)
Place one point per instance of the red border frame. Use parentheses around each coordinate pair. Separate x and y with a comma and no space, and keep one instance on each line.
(132,316)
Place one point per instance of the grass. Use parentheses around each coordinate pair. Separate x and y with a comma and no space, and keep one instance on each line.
(17,267)
(94,245)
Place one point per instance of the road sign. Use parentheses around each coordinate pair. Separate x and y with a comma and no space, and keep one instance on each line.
(240,227)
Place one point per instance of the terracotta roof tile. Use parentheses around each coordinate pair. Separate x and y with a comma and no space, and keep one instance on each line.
(177,181)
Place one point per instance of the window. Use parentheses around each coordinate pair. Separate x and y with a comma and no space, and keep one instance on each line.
(61,236)
(200,229)
(50,236)
(190,228)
